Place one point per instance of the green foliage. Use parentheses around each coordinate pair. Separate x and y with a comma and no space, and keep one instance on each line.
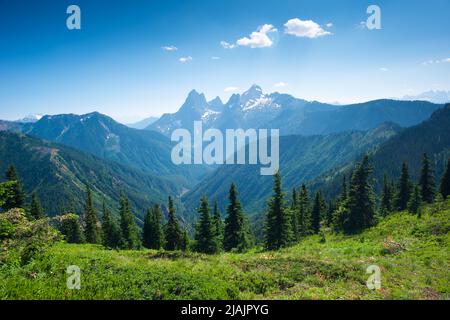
(303,213)
(36,210)
(278,219)
(218,225)
(387,197)
(16,196)
(110,230)
(205,236)
(153,235)
(173,233)
(70,227)
(444,187)
(317,212)
(129,230)
(236,232)
(426,182)
(403,189)
(92,229)
(415,200)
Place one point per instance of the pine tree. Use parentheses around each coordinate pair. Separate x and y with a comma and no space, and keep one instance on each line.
(36,211)
(316,213)
(415,200)
(278,233)
(218,225)
(444,188)
(129,230)
(303,213)
(153,235)
(404,189)
(173,235)
(235,232)
(427,183)
(293,213)
(344,195)
(71,228)
(184,240)
(386,197)
(110,231)
(16,198)
(331,207)
(91,225)
(205,236)
(361,202)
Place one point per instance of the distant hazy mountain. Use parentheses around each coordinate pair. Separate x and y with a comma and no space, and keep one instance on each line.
(31,118)
(143,123)
(102,136)
(439,96)
(431,137)
(59,175)
(302,158)
(255,109)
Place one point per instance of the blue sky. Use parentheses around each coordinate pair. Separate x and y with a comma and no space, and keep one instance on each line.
(116,63)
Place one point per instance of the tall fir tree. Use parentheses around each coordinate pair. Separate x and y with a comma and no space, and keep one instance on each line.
(427,182)
(206,240)
(403,189)
(316,212)
(92,230)
(444,187)
(294,214)
(386,205)
(218,224)
(184,240)
(153,235)
(236,236)
(173,232)
(16,198)
(278,232)
(71,228)
(111,236)
(36,210)
(415,200)
(129,230)
(303,213)
(361,199)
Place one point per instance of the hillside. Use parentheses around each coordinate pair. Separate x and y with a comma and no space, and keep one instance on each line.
(59,175)
(301,159)
(411,252)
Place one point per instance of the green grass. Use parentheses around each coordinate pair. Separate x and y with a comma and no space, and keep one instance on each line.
(413,254)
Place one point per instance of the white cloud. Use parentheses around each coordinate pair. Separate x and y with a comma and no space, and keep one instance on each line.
(280,84)
(429,62)
(259,38)
(329,25)
(227,45)
(304,28)
(185,59)
(215,58)
(169,48)
(231,89)
(383,69)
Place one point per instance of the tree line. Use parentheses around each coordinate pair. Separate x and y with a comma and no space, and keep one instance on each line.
(286,221)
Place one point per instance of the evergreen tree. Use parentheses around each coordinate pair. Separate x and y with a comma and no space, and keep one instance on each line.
(344,195)
(184,240)
(361,202)
(303,213)
(329,212)
(205,235)
(404,189)
(415,200)
(71,228)
(427,183)
(386,197)
(293,213)
(316,212)
(444,188)
(16,198)
(236,234)
(278,232)
(173,235)
(153,235)
(110,231)
(91,225)
(36,211)
(218,225)
(129,230)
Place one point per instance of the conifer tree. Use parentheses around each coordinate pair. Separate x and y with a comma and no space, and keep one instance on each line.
(316,213)
(278,220)
(344,195)
(218,224)
(71,228)
(16,197)
(91,225)
(173,232)
(361,202)
(153,235)
(110,231)
(236,234)
(303,213)
(36,211)
(205,235)
(415,200)
(329,212)
(404,189)
(444,187)
(386,197)
(129,230)
(427,183)
(293,213)
(184,240)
